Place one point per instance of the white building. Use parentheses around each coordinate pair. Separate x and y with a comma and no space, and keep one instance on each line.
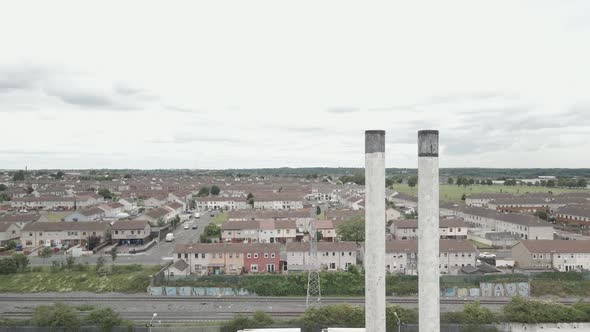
(332,256)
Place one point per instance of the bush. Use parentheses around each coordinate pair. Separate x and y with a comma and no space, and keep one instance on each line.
(8,265)
(22,262)
(519,310)
(260,319)
(104,271)
(472,313)
(104,318)
(57,315)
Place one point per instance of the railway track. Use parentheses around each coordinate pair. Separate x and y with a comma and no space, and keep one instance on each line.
(166,317)
(248,299)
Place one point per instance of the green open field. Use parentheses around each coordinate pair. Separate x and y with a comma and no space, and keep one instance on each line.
(125,279)
(56,216)
(453,193)
(220,218)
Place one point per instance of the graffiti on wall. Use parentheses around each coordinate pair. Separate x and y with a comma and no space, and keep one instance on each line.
(198,291)
(487,289)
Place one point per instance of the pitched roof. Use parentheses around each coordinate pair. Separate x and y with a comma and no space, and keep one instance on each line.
(443,222)
(157,213)
(556,246)
(90,211)
(444,246)
(180,265)
(66,226)
(246,224)
(322,246)
(130,224)
(5,225)
(515,218)
(226,247)
(575,210)
(20,217)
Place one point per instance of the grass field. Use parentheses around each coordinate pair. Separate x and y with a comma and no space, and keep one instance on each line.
(56,216)
(125,279)
(453,193)
(220,218)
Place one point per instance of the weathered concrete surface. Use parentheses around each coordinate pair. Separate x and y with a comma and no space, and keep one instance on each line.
(428,232)
(375,231)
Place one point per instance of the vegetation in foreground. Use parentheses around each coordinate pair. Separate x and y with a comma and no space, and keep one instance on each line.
(473,317)
(352,283)
(453,193)
(71,277)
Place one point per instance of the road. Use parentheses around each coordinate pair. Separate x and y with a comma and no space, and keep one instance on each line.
(153,256)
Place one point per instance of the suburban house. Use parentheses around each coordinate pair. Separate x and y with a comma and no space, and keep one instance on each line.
(449,228)
(129,204)
(519,204)
(24,218)
(130,232)
(482,199)
(403,200)
(174,207)
(221,203)
(278,201)
(55,202)
(226,258)
(560,255)
(87,214)
(302,217)
(526,226)
(155,201)
(261,231)
(332,256)
(157,214)
(574,214)
(401,256)
(327,229)
(112,209)
(8,231)
(62,233)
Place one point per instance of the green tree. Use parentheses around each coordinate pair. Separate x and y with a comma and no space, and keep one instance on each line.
(319,236)
(550,183)
(161,222)
(4,197)
(203,192)
(45,253)
(127,176)
(99,262)
(318,210)
(352,230)
(541,214)
(19,176)
(3,187)
(57,315)
(412,181)
(11,245)
(93,241)
(105,318)
(58,176)
(70,261)
(450,181)
(489,182)
(8,266)
(22,262)
(114,252)
(250,199)
(30,190)
(175,221)
(582,183)
(105,193)
(463,197)
(215,190)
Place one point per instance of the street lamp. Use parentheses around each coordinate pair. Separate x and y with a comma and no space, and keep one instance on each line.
(150,325)
(399,323)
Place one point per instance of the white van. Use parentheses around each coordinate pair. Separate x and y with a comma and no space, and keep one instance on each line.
(197,215)
(169,237)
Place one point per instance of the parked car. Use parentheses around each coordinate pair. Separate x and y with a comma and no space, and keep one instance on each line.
(186,226)
(169,237)
(195,226)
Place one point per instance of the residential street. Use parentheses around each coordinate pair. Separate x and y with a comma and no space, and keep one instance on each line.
(155,255)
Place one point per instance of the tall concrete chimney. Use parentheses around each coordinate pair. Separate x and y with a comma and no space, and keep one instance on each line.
(375,230)
(428,233)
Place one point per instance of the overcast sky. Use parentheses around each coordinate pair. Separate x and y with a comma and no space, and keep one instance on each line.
(248,84)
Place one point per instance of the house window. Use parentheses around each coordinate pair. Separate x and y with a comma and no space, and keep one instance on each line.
(265,255)
(186,256)
(254,267)
(179,255)
(535,256)
(249,255)
(332,266)
(132,232)
(272,255)
(270,267)
(255,255)
(333,253)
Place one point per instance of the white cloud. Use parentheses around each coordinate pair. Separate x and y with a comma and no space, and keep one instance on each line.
(265,84)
